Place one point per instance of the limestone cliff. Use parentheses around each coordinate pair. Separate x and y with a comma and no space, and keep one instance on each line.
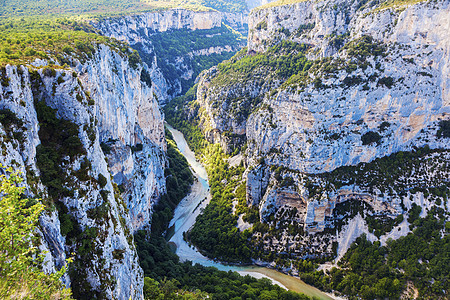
(89,140)
(325,85)
(189,41)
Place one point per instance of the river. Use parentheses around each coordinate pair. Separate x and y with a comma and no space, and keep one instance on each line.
(188,210)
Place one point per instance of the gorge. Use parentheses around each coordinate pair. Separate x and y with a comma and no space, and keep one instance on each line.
(319,133)
(184,218)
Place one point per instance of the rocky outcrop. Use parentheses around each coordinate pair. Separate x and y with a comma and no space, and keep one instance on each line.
(327,123)
(105,194)
(127,28)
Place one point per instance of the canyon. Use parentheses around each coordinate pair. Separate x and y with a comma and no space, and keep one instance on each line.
(336,111)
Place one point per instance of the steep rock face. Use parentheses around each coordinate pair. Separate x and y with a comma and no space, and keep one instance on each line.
(107,103)
(326,124)
(375,83)
(126,28)
(140,30)
(128,115)
(317,23)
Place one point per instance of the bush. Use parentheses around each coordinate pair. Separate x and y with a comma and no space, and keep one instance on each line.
(59,138)
(29,52)
(134,59)
(444,129)
(8,119)
(137,148)
(370,137)
(261,25)
(386,81)
(67,49)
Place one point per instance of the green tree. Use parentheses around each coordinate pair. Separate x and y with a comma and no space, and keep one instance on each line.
(20,261)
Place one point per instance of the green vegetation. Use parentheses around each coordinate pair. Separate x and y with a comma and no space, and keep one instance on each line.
(168,290)
(305,28)
(171,45)
(56,31)
(215,230)
(60,146)
(21,276)
(261,70)
(386,81)
(278,3)
(167,278)
(282,60)
(372,271)
(444,129)
(59,139)
(13,127)
(178,182)
(261,25)
(397,3)
(356,51)
(250,76)
(94,8)
(370,137)
(175,112)
(367,271)
(390,174)
(161,264)
(363,47)
(22,41)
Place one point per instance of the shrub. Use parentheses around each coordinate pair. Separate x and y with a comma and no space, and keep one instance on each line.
(29,52)
(134,59)
(370,137)
(118,254)
(386,81)
(384,125)
(261,25)
(49,71)
(444,129)
(106,148)
(136,148)
(8,118)
(67,49)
